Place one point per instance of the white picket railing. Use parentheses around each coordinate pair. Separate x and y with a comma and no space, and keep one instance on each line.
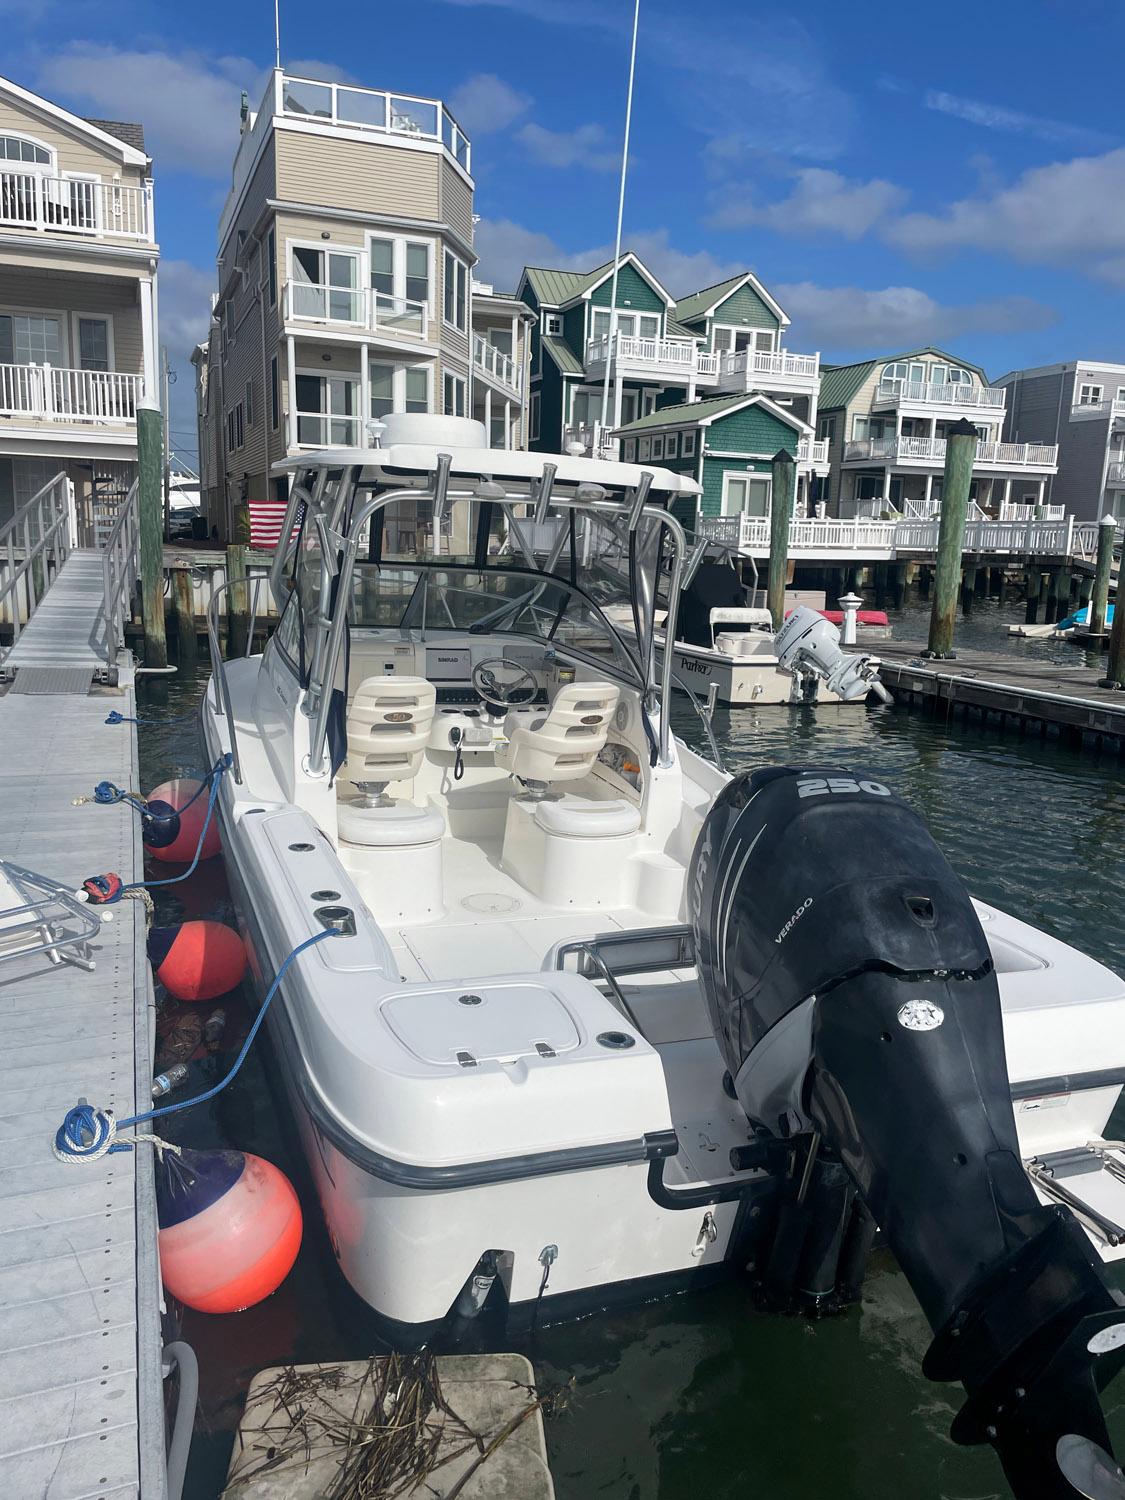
(47,394)
(825,536)
(1116,474)
(812,450)
(737,366)
(74,205)
(932,450)
(924,392)
(495,362)
(678,353)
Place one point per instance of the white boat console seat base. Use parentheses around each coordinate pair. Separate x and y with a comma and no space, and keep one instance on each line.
(390,825)
(572,852)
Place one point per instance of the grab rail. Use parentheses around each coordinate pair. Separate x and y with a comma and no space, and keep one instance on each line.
(50,514)
(120,563)
(218,672)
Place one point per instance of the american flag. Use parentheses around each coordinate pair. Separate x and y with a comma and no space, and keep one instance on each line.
(266,520)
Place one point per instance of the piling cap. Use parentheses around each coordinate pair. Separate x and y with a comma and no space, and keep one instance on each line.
(783,456)
(1107,521)
(962,428)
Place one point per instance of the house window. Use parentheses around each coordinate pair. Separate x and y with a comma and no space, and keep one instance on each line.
(455,305)
(1121,393)
(93,344)
(552,325)
(399,388)
(826,428)
(1090,395)
(275,395)
(629,325)
(327,410)
(248,401)
(453,388)
(235,432)
(271,270)
(326,285)
(746,494)
(644,449)
(14,148)
(533,417)
(722,340)
(383,266)
(672,445)
(648,403)
(688,449)
(763,340)
(629,452)
(28,339)
(417,271)
(658,446)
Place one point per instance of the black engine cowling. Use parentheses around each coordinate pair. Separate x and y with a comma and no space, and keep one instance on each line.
(853,996)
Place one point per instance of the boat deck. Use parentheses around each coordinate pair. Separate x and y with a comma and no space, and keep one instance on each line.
(80,1348)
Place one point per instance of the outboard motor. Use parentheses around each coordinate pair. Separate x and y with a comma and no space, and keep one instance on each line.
(855,1002)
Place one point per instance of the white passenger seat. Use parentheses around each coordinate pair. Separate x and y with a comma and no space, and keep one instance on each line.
(389,721)
(563,744)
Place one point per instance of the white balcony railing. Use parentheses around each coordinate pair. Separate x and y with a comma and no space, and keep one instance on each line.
(374,110)
(355,307)
(66,205)
(822,537)
(932,450)
(593,439)
(812,450)
(678,353)
(496,363)
(777,363)
(925,393)
(317,429)
(47,394)
(1110,408)
(869,538)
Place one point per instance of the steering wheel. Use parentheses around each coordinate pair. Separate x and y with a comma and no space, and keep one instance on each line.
(503,684)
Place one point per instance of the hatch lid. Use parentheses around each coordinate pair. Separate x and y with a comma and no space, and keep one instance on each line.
(474,1023)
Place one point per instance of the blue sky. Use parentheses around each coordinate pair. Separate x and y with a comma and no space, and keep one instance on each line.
(895,174)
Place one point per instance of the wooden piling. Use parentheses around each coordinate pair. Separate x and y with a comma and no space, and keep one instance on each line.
(781,512)
(1044,590)
(960,451)
(900,574)
(1115,669)
(925,579)
(880,585)
(1099,599)
(968,589)
(238,601)
(1056,596)
(150,475)
(1031,613)
(183,604)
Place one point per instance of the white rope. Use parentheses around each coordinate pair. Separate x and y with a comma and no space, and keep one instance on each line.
(91,1135)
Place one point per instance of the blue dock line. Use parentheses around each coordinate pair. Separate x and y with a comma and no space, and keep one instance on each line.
(113,717)
(88,1133)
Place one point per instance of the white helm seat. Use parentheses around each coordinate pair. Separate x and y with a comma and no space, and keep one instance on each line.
(563,744)
(389,722)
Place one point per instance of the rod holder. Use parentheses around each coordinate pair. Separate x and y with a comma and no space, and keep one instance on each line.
(644,484)
(543,497)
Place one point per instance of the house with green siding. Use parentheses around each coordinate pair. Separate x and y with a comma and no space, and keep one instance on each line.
(726,443)
(724,340)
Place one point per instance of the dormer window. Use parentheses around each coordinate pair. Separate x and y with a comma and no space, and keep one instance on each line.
(552,325)
(29,153)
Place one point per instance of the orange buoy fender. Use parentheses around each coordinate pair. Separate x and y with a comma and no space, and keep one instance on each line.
(171,829)
(230,1228)
(197,960)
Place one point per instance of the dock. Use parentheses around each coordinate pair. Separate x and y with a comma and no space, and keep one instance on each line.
(1020,694)
(81,1388)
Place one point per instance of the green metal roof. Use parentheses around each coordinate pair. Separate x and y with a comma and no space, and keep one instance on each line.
(696,305)
(839,383)
(674,330)
(687,413)
(562,354)
(556,287)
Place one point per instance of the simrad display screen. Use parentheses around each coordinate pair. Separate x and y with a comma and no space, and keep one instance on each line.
(448,664)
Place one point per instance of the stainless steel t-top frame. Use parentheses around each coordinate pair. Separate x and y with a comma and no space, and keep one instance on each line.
(327,485)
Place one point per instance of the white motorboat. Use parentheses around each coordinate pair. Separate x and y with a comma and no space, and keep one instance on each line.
(600,1020)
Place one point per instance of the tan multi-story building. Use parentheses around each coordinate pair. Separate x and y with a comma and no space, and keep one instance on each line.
(78,342)
(346,289)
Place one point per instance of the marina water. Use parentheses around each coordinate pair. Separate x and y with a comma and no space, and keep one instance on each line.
(701,1394)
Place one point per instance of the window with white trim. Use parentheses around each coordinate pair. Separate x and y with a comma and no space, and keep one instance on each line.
(672,445)
(396,387)
(30,339)
(658,445)
(826,428)
(644,449)
(15,148)
(629,451)
(327,410)
(688,449)
(552,325)
(455,302)
(453,393)
(1121,393)
(326,284)
(1090,395)
(401,277)
(235,429)
(94,341)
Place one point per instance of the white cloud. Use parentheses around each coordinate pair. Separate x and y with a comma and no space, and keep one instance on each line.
(585,146)
(188,103)
(1012,121)
(185,311)
(822,202)
(485,104)
(848,320)
(312,67)
(1068,213)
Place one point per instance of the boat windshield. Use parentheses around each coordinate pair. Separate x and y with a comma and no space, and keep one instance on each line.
(447,598)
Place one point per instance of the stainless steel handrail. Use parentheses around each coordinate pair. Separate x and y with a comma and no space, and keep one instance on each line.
(120,563)
(52,508)
(218,673)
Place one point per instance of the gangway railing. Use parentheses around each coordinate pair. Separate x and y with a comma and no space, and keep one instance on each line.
(120,564)
(33,547)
